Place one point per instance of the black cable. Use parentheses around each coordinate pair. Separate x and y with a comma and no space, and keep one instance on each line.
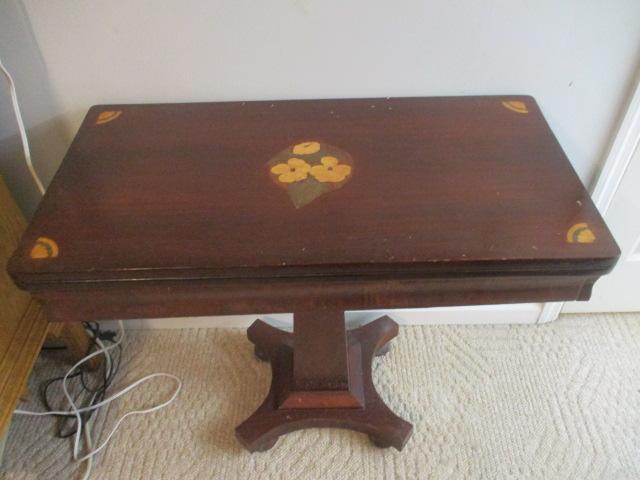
(98,393)
(95,394)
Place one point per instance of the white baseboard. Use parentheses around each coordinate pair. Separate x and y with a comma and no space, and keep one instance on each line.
(521,313)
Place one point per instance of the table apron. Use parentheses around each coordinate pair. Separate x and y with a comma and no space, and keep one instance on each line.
(130,300)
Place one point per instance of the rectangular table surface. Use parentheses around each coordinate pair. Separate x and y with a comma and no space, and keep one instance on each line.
(430,186)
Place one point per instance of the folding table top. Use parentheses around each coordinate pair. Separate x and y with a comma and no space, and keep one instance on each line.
(445,186)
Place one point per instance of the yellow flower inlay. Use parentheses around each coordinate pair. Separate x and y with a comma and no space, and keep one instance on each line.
(580,233)
(330,170)
(306,148)
(293,171)
(44,248)
(516,106)
(108,116)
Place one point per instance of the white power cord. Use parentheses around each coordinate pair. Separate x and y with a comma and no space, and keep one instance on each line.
(77,411)
(82,427)
(23,132)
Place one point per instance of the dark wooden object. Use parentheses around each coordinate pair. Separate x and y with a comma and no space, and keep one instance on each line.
(194,209)
(322,401)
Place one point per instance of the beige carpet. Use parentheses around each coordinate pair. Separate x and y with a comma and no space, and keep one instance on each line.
(557,401)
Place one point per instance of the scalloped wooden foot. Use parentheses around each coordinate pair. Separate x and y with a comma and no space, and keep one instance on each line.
(383,350)
(260,355)
(380,443)
(328,385)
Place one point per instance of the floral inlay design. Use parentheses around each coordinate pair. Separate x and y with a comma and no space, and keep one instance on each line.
(310,169)
(293,171)
(107,116)
(580,233)
(306,148)
(44,248)
(516,106)
(330,170)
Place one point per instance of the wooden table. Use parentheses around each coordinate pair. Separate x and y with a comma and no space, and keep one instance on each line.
(312,207)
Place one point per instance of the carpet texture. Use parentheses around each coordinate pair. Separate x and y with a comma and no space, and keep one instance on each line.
(555,401)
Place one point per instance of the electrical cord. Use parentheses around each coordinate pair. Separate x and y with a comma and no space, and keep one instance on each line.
(23,132)
(83,429)
(97,400)
(108,369)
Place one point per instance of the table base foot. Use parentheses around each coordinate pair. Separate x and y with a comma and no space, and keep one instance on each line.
(274,418)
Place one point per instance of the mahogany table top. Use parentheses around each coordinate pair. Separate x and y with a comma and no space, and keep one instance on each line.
(444,185)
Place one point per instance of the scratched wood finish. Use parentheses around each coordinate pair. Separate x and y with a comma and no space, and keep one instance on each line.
(452,185)
(314,207)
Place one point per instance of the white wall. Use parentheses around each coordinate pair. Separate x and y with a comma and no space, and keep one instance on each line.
(577,57)
(49,138)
